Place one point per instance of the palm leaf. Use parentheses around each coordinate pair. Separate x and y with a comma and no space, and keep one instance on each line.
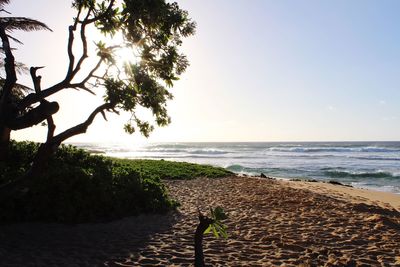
(3,3)
(2,49)
(24,24)
(19,91)
(14,39)
(20,68)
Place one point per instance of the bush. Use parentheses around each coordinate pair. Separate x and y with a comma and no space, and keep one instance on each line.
(19,157)
(79,187)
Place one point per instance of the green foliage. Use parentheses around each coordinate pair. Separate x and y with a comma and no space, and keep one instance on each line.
(153,31)
(174,170)
(18,160)
(217,227)
(79,187)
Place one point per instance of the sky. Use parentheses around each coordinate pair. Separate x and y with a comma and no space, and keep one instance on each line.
(260,70)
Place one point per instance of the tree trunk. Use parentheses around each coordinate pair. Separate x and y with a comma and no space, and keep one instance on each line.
(22,184)
(198,240)
(44,153)
(4,142)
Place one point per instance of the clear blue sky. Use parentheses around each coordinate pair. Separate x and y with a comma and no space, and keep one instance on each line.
(260,71)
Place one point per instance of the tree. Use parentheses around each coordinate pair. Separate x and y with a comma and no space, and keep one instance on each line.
(151,29)
(10,91)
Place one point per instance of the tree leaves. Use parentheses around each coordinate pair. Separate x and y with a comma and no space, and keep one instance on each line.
(153,30)
(217,228)
(219,214)
(105,52)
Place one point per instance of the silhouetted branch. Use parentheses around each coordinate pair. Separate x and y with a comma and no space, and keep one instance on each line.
(51,127)
(70,53)
(84,46)
(90,75)
(37,97)
(36,79)
(83,87)
(102,15)
(5,11)
(82,84)
(82,127)
(34,116)
(71,56)
(37,85)
(72,70)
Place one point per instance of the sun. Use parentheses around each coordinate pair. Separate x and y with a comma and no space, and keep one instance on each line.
(125,55)
(123,52)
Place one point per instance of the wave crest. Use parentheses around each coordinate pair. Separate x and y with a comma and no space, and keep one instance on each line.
(333,149)
(345,174)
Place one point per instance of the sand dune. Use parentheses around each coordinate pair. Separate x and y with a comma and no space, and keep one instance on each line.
(270,224)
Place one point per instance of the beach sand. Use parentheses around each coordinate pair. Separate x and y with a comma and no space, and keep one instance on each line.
(271,223)
(355,195)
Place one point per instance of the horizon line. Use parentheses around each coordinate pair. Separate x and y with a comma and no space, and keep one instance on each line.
(326,141)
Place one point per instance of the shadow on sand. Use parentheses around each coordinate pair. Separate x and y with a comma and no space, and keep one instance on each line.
(97,244)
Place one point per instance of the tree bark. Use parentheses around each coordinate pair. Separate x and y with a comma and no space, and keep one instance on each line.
(46,150)
(34,116)
(42,157)
(198,240)
(11,79)
(4,142)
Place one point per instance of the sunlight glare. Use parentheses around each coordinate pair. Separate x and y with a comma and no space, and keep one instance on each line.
(126,55)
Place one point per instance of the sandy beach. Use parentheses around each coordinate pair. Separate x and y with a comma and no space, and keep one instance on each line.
(271,223)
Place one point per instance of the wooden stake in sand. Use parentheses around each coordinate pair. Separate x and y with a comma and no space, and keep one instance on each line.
(206,225)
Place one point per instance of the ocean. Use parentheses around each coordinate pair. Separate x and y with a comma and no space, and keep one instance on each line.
(372,165)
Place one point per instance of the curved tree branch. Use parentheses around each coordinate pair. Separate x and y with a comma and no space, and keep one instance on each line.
(70,52)
(71,56)
(34,116)
(46,150)
(84,47)
(37,97)
(82,127)
(72,71)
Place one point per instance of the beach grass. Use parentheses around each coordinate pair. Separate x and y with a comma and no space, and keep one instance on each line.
(171,170)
